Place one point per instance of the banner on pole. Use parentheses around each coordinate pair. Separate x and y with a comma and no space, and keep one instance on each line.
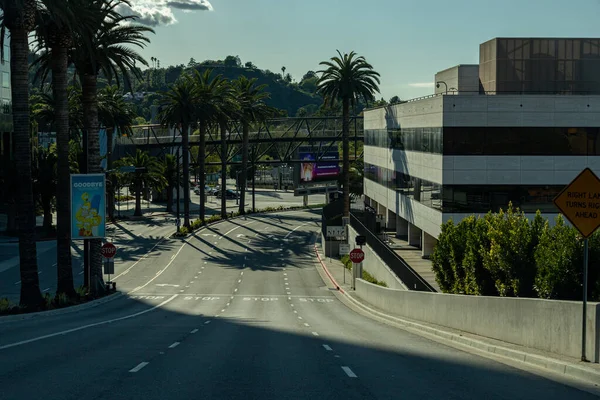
(88,206)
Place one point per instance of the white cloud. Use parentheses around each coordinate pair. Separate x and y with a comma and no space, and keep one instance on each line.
(421,84)
(160,12)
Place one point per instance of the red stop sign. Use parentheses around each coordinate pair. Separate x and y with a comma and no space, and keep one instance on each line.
(357,256)
(108,250)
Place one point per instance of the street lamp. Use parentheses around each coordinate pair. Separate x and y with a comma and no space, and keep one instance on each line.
(437,85)
(237,193)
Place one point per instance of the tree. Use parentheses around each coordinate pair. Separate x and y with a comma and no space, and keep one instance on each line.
(232,61)
(192,63)
(179,110)
(149,174)
(252,108)
(172,177)
(19,17)
(395,100)
(107,51)
(45,179)
(347,77)
(210,90)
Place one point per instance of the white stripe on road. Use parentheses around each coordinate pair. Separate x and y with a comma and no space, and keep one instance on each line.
(80,328)
(242,271)
(206,322)
(315,333)
(327,347)
(239,281)
(136,263)
(139,366)
(16,283)
(45,290)
(235,290)
(305,324)
(194,331)
(349,372)
(159,273)
(175,344)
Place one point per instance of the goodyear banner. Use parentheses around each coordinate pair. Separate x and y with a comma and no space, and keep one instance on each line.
(88,206)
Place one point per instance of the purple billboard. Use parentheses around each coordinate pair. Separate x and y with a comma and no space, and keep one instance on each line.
(323,170)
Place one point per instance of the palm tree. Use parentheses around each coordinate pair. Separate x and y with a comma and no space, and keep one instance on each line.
(148,174)
(107,51)
(172,178)
(45,181)
(209,92)
(347,77)
(117,116)
(179,109)
(227,109)
(252,109)
(19,17)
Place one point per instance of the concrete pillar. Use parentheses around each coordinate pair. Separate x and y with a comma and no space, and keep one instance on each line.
(428,245)
(414,235)
(390,220)
(381,210)
(401,228)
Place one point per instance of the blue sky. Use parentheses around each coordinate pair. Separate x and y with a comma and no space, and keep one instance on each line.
(407,41)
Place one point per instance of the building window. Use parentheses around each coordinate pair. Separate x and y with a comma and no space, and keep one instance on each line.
(5,80)
(426,140)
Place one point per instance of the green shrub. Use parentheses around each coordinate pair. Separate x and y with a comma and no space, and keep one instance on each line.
(6,306)
(346,261)
(370,278)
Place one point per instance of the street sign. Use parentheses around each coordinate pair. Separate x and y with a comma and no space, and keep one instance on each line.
(344,249)
(361,240)
(109,266)
(335,231)
(579,202)
(357,256)
(108,250)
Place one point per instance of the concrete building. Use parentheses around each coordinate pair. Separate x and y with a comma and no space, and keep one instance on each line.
(532,126)
(6,143)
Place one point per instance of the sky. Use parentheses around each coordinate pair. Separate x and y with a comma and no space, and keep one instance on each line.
(406,41)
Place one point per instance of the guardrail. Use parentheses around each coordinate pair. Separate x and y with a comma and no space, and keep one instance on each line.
(407,275)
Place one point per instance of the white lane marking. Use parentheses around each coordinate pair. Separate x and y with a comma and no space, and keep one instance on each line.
(205,262)
(55,264)
(244,265)
(287,283)
(336,356)
(140,259)
(166,284)
(285,279)
(161,271)
(231,297)
(327,347)
(289,292)
(109,321)
(285,274)
(237,227)
(192,281)
(223,310)
(215,242)
(239,281)
(206,322)
(196,277)
(291,304)
(315,333)
(305,324)
(194,331)
(228,304)
(16,283)
(296,312)
(45,290)
(81,273)
(175,344)
(299,317)
(181,291)
(187,286)
(39,272)
(139,366)
(172,257)
(349,372)
(242,273)
(235,290)
(289,298)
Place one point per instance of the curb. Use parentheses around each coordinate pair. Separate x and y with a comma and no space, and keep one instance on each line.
(572,370)
(61,311)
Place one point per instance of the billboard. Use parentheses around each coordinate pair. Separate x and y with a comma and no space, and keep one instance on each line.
(324,170)
(88,206)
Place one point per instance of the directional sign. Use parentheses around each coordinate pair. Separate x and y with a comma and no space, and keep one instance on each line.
(335,231)
(357,256)
(108,250)
(580,202)
(344,249)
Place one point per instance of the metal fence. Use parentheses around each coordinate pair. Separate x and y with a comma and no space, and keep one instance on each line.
(402,270)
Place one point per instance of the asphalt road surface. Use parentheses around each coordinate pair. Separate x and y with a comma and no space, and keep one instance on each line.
(239,311)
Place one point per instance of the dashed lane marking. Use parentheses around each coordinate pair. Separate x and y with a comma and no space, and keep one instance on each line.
(139,366)
(175,344)
(315,333)
(327,347)
(194,331)
(349,372)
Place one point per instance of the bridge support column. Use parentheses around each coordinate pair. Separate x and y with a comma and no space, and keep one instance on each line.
(414,235)
(428,245)
(401,228)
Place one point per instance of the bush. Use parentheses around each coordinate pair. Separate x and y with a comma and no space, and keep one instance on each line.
(505,254)
(370,278)
(124,198)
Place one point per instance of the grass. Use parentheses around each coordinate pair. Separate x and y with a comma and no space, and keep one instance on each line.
(365,275)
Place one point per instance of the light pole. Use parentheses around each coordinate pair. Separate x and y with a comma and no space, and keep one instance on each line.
(237,186)
(437,85)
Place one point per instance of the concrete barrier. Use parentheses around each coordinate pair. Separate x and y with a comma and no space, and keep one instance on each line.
(548,325)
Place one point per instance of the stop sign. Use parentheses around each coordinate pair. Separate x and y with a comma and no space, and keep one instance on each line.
(357,256)
(109,250)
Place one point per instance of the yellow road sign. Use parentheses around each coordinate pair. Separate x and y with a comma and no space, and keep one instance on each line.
(580,202)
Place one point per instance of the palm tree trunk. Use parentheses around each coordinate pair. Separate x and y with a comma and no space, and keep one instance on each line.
(19,68)
(244,173)
(185,138)
(63,202)
(89,99)
(223,127)
(201,166)
(110,203)
(47,206)
(170,198)
(346,154)
(138,199)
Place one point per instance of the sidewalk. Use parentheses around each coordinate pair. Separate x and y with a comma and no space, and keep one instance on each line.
(332,273)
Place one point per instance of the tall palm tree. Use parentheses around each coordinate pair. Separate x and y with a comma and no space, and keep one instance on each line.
(179,109)
(117,116)
(252,108)
(45,181)
(148,173)
(227,109)
(111,54)
(172,178)
(19,17)
(210,89)
(347,77)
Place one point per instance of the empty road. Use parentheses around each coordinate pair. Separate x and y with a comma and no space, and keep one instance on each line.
(239,311)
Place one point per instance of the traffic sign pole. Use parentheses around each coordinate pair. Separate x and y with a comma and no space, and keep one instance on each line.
(585,284)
